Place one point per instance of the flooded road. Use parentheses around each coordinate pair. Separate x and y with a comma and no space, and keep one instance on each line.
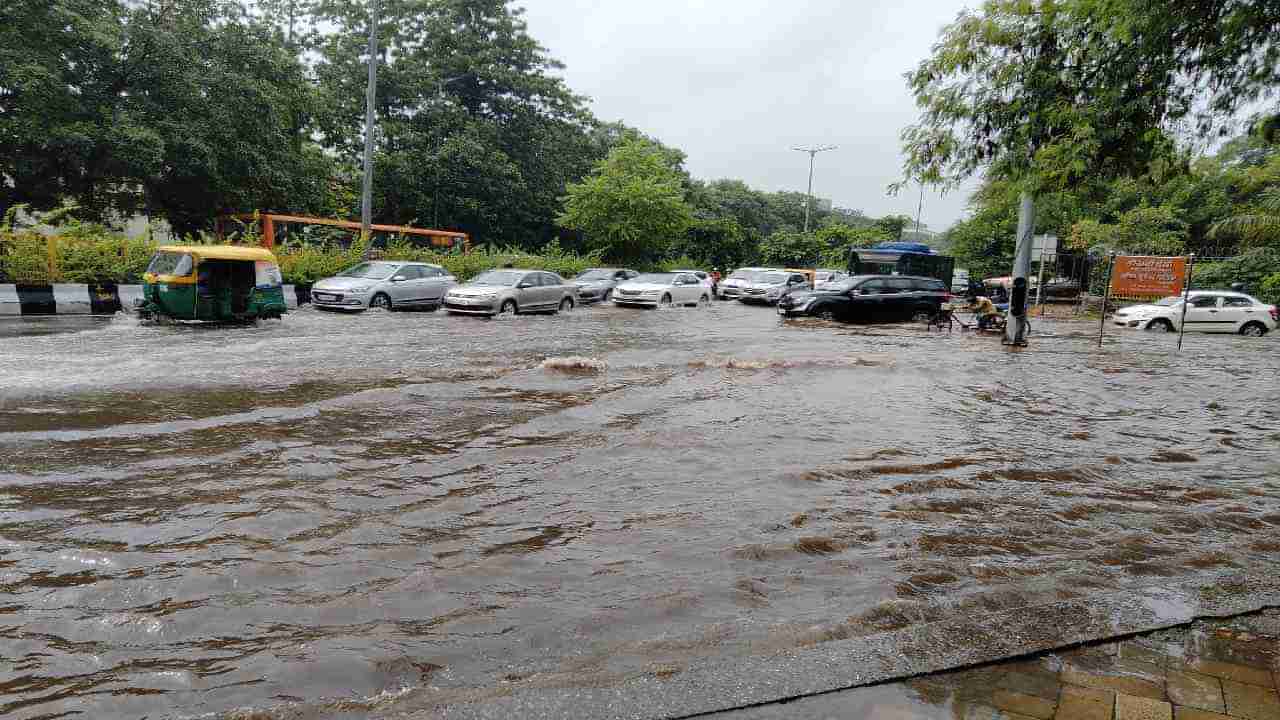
(338,516)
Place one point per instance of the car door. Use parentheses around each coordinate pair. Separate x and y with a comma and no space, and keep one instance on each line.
(1203,314)
(434,284)
(865,301)
(420,286)
(527,291)
(548,290)
(1236,310)
(555,288)
(402,285)
(908,299)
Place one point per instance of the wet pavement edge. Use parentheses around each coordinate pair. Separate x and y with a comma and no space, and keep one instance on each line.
(846,664)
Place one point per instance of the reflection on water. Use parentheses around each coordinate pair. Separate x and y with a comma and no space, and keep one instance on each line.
(341,511)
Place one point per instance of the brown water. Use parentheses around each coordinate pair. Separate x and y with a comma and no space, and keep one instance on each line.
(338,515)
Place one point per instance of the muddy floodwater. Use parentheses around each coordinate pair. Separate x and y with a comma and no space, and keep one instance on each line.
(351,515)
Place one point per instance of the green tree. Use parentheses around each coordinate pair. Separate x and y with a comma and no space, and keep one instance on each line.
(715,243)
(475,129)
(181,109)
(893,225)
(791,248)
(631,206)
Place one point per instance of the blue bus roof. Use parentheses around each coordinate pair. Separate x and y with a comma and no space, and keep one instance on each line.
(911,247)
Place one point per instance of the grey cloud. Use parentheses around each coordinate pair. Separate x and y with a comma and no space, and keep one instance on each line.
(737,84)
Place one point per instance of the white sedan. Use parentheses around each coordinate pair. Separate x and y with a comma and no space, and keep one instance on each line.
(1208,311)
(662,289)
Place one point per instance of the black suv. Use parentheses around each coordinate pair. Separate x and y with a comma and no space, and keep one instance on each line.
(869,298)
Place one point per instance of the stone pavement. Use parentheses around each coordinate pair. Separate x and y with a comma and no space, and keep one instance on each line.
(1208,670)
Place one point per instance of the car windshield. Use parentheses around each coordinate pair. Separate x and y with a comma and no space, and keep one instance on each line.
(743,275)
(370,271)
(498,277)
(657,278)
(1169,301)
(772,278)
(595,275)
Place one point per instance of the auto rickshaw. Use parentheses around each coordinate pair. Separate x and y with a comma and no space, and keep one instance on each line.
(212,283)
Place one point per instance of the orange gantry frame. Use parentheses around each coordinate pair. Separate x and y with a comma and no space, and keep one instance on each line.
(444,238)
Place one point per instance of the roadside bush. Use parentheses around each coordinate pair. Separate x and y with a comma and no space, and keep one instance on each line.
(1251,268)
(1270,290)
(91,253)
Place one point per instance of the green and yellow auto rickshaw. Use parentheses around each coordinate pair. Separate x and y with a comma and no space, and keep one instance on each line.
(212,283)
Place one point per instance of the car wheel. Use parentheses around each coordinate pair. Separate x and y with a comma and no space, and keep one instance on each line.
(665,301)
(565,305)
(1253,329)
(1160,325)
(508,308)
(921,316)
(826,314)
(381,301)
(704,301)
(608,295)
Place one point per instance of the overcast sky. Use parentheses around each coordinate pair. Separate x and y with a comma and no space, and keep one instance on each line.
(736,83)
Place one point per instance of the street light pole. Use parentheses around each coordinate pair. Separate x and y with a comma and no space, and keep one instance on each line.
(366,190)
(813,150)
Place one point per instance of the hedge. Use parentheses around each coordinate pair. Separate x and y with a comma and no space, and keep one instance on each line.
(88,254)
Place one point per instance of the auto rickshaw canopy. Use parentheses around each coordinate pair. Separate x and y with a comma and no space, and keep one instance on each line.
(222,252)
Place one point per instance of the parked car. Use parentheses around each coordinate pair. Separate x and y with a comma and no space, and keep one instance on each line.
(1208,311)
(769,287)
(869,298)
(510,291)
(597,284)
(383,284)
(662,289)
(822,277)
(703,277)
(731,287)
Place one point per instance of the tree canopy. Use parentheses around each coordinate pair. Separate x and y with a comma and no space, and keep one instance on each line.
(632,205)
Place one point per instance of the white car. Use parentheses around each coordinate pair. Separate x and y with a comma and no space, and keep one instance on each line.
(704,278)
(731,287)
(662,289)
(1208,311)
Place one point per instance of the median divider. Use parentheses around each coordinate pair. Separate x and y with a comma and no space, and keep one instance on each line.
(22,300)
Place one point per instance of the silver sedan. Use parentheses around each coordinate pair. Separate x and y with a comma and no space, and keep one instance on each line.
(510,291)
(383,284)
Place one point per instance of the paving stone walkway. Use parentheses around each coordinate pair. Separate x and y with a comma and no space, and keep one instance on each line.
(1210,670)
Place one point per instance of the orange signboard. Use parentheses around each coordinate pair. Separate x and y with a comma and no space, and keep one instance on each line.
(1148,276)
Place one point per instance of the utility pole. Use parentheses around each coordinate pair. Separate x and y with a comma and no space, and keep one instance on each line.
(366,191)
(812,150)
(919,209)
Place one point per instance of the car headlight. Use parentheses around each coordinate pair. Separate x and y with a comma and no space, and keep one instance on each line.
(650,292)
(359,289)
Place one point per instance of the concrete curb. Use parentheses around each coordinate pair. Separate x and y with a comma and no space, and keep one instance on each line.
(719,686)
(22,300)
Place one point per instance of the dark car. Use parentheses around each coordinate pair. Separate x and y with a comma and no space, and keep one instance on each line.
(869,298)
(597,284)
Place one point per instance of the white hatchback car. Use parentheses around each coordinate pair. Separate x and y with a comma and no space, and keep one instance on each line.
(662,289)
(1208,311)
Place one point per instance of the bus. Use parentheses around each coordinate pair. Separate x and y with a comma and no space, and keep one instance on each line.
(902,258)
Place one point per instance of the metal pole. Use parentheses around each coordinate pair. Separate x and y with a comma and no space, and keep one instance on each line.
(808,198)
(1106,297)
(366,190)
(1015,331)
(1040,283)
(919,209)
(1186,298)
